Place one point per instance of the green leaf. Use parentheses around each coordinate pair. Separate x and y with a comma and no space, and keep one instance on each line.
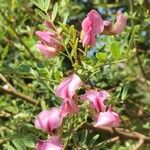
(74,49)
(72,33)
(4,54)
(9,147)
(124,92)
(41,14)
(11,109)
(64,28)
(42,4)
(93,140)
(38,4)
(54,12)
(115,50)
(19,144)
(46,4)
(44,72)
(84,136)
(25,68)
(65,17)
(29,141)
(102,56)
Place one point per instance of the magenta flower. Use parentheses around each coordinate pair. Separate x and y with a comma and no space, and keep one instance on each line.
(67,107)
(118,27)
(48,120)
(109,118)
(67,88)
(96,99)
(52,144)
(49,43)
(91,26)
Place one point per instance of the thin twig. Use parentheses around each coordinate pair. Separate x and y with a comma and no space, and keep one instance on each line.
(114,139)
(20,95)
(121,132)
(5,80)
(9,89)
(140,143)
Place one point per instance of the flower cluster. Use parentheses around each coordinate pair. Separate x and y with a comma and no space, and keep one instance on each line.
(49,44)
(50,120)
(49,41)
(93,24)
(104,116)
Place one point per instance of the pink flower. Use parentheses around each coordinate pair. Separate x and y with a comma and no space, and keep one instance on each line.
(91,26)
(67,88)
(109,118)
(49,43)
(48,120)
(97,99)
(52,144)
(67,107)
(118,27)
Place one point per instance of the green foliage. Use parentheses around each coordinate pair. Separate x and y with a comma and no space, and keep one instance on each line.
(115,50)
(42,4)
(54,12)
(115,64)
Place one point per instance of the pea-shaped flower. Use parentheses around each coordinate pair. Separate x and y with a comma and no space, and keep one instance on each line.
(67,88)
(109,118)
(48,120)
(49,43)
(53,143)
(118,27)
(68,106)
(91,26)
(96,99)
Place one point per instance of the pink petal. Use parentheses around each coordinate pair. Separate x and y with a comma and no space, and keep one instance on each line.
(67,88)
(88,39)
(97,99)
(47,50)
(118,27)
(68,107)
(97,22)
(91,26)
(52,144)
(74,85)
(86,24)
(120,24)
(109,118)
(48,120)
(107,23)
(44,35)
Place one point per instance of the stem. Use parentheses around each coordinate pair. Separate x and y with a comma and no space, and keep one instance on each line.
(12,91)
(121,132)
(69,56)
